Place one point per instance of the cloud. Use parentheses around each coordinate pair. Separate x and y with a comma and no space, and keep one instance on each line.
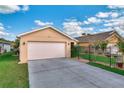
(102,14)
(105,29)
(73,27)
(1,24)
(107,14)
(107,21)
(116,28)
(115,22)
(2,30)
(2,27)
(5,34)
(112,24)
(7,9)
(40,23)
(25,8)
(92,20)
(116,6)
(86,22)
(88,29)
(114,14)
(119,30)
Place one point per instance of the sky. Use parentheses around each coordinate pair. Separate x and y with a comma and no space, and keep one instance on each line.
(73,20)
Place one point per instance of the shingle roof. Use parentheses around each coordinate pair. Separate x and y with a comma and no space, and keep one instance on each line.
(95,37)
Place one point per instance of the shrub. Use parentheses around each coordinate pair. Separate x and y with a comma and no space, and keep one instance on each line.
(75,51)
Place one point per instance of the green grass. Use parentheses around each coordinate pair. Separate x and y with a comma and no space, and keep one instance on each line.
(115,70)
(99,58)
(12,75)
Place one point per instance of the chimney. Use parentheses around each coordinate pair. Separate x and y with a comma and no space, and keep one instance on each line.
(84,34)
(88,34)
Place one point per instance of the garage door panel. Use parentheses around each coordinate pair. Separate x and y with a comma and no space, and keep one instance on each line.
(40,50)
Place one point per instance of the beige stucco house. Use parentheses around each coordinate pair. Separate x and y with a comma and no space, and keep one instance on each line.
(46,42)
(112,37)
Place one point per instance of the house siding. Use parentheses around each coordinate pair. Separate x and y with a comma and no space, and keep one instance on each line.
(46,35)
(84,44)
(113,39)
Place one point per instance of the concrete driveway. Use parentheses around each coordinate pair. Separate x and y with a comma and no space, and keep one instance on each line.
(67,73)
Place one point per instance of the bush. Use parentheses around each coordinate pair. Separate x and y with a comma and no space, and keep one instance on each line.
(75,51)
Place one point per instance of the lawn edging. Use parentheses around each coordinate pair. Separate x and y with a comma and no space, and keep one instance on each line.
(108,68)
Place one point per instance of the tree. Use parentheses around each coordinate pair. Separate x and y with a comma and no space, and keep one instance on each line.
(121,46)
(16,46)
(103,45)
(96,45)
(121,49)
(100,45)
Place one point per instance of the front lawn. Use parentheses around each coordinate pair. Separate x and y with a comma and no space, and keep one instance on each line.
(12,75)
(115,70)
(98,58)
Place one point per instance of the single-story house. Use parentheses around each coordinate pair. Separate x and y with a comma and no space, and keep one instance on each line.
(5,47)
(46,42)
(112,37)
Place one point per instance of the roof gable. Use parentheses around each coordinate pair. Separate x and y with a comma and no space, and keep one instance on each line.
(55,29)
(98,36)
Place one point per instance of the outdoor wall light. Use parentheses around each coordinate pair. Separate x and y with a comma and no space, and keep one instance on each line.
(23,43)
(49,36)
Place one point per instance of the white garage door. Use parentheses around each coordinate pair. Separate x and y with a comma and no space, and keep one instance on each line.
(40,50)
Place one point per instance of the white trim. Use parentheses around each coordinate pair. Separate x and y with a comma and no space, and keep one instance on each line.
(116,33)
(46,28)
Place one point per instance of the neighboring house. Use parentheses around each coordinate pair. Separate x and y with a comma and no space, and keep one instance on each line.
(47,42)
(112,37)
(5,47)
